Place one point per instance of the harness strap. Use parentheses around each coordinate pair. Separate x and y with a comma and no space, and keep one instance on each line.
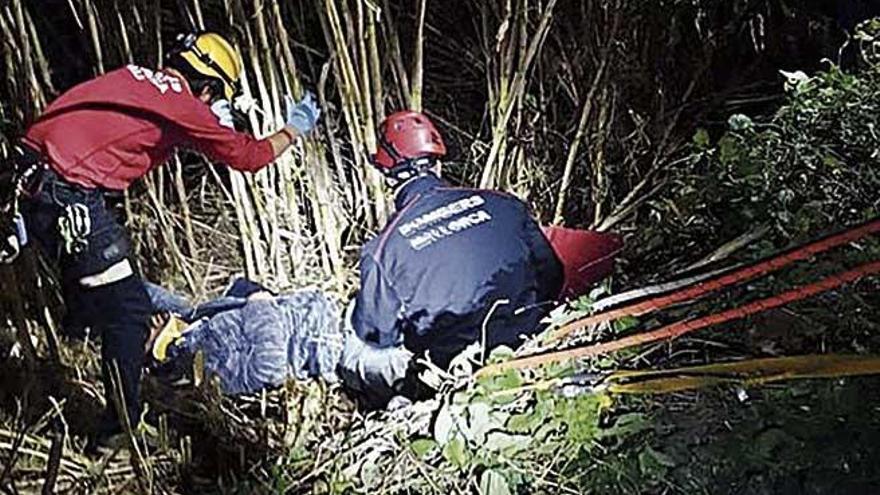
(697,286)
(686,326)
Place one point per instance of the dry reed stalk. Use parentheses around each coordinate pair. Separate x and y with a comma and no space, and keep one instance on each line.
(417,76)
(318,188)
(39,57)
(375,66)
(139,461)
(200,19)
(21,324)
(26,55)
(175,254)
(581,132)
(180,188)
(360,129)
(92,20)
(601,181)
(506,99)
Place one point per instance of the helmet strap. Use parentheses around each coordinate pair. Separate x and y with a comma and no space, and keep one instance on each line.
(406,168)
(409,169)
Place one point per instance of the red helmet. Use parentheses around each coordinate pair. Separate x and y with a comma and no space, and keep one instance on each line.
(405,136)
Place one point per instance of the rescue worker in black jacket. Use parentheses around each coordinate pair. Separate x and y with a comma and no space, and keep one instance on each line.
(451,261)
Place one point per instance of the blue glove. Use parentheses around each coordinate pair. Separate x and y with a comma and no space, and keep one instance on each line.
(303,115)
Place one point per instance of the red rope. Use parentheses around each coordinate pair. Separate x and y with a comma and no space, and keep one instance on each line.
(701,288)
(682,327)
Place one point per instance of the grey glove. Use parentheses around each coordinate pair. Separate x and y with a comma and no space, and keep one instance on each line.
(223,111)
(303,115)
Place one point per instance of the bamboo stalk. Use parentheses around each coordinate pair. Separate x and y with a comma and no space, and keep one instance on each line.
(179,186)
(586,110)
(92,20)
(393,41)
(499,135)
(31,80)
(416,99)
(375,69)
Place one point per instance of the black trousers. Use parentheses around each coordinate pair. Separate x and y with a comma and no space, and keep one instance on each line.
(116,309)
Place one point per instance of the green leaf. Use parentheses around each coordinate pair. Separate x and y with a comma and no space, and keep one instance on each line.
(832,161)
(729,150)
(493,483)
(422,446)
(740,122)
(480,421)
(448,423)
(498,441)
(456,453)
(528,422)
(508,380)
(652,461)
(625,323)
(580,415)
(627,424)
(521,423)
(701,139)
(500,354)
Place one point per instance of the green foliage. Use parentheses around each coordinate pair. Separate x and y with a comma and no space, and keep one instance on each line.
(499,428)
(811,166)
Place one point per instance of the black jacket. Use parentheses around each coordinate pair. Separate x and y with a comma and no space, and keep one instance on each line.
(447,260)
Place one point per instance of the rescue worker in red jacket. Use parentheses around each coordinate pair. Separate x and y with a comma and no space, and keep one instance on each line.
(95,140)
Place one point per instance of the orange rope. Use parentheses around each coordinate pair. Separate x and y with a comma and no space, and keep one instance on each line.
(701,288)
(686,326)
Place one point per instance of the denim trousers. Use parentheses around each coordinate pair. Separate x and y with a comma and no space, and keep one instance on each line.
(251,344)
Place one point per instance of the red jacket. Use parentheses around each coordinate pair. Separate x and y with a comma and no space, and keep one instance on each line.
(112,130)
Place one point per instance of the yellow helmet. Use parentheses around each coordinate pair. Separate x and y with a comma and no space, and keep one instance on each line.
(211,55)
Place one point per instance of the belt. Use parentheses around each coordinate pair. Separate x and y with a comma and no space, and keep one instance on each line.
(44,174)
(30,167)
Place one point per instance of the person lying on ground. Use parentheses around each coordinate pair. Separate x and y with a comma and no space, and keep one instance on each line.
(90,144)
(453,266)
(250,338)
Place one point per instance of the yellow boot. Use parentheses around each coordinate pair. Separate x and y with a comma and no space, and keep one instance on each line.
(171,333)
